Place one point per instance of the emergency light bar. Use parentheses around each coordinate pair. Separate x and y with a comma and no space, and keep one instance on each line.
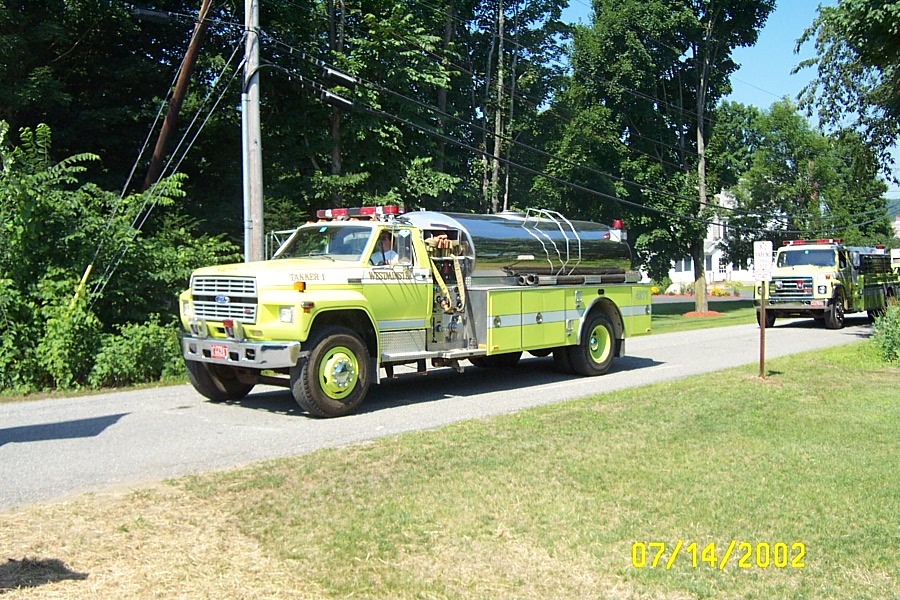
(363,211)
(804,242)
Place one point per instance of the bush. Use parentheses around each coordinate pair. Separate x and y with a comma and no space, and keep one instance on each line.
(887,333)
(70,342)
(138,353)
(663,283)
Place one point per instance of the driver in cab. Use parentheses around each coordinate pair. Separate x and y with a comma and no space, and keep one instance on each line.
(384,253)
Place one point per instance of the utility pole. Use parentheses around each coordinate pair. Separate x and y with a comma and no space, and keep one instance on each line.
(184,78)
(251,137)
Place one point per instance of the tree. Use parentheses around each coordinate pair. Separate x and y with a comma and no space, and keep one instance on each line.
(658,68)
(52,226)
(857,66)
(800,183)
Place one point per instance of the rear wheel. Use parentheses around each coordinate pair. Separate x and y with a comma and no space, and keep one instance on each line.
(594,354)
(333,380)
(217,382)
(834,314)
(496,361)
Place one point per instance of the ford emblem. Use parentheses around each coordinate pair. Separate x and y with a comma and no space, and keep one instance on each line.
(220,299)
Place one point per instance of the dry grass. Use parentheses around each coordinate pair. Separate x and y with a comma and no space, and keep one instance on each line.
(156,543)
(541,503)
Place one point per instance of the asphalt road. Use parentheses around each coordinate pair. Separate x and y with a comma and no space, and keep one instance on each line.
(54,449)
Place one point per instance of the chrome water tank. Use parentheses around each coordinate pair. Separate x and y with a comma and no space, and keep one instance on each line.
(536,241)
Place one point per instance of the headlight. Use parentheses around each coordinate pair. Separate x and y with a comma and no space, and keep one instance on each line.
(286,314)
(186,308)
(822,289)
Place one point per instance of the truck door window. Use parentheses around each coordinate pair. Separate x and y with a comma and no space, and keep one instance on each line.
(392,248)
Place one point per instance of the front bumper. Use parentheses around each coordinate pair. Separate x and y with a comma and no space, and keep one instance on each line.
(255,355)
(795,305)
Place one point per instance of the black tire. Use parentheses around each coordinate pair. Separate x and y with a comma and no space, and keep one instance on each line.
(216,382)
(333,380)
(496,361)
(770,318)
(594,354)
(834,314)
(540,352)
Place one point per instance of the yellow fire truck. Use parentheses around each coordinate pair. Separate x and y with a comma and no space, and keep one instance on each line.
(826,280)
(365,290)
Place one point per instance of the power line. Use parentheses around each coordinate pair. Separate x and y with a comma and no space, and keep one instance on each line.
(642,187)
(150,197)
(315,86)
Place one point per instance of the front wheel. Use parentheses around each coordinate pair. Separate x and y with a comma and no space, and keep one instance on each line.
(770,318)
(834,314)
(594,354)
(333,380)
(217,382)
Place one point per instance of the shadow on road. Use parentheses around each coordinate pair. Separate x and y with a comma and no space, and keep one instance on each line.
(79,428)
(861,320)
(440,384)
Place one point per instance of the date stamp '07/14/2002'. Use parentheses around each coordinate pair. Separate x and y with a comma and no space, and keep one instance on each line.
(761,555)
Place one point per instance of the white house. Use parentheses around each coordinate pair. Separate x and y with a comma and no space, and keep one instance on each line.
(718,269)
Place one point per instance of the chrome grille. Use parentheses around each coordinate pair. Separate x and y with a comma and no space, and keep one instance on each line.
(236,286)
(790,287)
(219,298)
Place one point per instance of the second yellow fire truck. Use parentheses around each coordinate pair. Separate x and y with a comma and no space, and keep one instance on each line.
(825,280)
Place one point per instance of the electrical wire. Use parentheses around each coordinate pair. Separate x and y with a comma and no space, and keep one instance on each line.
(150,198)
(319,88)
(642,187)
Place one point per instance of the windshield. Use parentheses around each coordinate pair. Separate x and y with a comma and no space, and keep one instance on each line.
(342,242)
(816,258)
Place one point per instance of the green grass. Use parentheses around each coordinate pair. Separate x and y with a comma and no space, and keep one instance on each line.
(669,317)
(548,502)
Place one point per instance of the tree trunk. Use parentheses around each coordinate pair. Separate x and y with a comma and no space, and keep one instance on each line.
(485,162)
(701,303)
(512,103)
(439,165)
(498,118)
(336,45)
(697,255)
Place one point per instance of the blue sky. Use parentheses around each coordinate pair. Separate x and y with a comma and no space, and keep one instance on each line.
(764,76)
(765,73)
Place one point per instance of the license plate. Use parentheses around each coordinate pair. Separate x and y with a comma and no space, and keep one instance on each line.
(817,303)
(219,351)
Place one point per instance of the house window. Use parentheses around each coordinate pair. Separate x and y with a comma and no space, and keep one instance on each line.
(685,265)
(708,262)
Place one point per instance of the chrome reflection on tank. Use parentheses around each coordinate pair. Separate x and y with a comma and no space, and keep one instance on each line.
(501,243)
